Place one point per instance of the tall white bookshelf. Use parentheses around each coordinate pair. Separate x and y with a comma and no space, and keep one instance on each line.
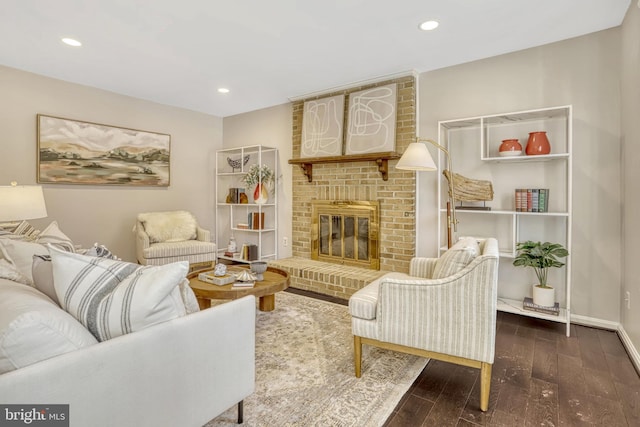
(474,144)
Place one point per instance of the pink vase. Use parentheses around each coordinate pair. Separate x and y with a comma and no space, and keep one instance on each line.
(537,144)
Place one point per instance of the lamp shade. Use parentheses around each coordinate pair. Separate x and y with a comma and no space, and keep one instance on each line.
(416,158)
(18,202)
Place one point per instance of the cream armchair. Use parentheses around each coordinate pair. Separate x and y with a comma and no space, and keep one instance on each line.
(164,237)
(443,309)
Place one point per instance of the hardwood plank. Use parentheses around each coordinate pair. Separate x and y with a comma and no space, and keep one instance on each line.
(520,354)
(433,379)
(542,409)
(471,411)
(569,346)
(412,412)
(629,397)
(511,406)
(599,383)
(545,360)
(590,348)
(449,406)
(611,343)
(622,369)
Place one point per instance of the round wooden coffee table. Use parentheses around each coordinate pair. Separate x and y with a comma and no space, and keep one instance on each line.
(275,280)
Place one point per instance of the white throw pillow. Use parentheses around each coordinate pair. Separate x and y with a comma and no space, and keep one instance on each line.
(32,328)
(112,298)
(20,254)
(42,271)
(53,235)
(456,258)
(10,272)
(176,226)
(188,297)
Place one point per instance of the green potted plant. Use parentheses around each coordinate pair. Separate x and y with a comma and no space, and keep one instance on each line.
(262,177)
(541,257)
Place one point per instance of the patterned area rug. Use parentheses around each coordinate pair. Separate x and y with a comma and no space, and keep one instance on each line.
(305,374)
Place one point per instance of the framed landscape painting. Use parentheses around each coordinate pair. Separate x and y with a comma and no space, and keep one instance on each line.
(77,152)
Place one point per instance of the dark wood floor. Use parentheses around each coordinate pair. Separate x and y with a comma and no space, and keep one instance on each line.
(540,378)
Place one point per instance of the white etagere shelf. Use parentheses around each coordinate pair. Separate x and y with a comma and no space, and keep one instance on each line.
(474,147)
(229,215)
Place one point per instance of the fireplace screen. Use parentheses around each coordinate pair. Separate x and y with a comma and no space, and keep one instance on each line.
(346,233)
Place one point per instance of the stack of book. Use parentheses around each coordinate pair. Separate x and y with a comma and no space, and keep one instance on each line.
(528,304)
(532,199)
(249,252)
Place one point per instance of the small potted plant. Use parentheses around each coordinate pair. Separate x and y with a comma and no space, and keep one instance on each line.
(262,177)
(541,257)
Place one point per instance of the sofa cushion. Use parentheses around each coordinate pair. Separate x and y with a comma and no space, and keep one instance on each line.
(173,226)
(10,272)
(363,304)
(456,258)
(54,236)
(112,298)
(20,254)
(32,328)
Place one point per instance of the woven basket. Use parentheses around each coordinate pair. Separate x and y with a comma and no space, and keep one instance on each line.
(468,189)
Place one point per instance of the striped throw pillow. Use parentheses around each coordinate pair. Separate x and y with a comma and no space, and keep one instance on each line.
(112,298)
(456,258)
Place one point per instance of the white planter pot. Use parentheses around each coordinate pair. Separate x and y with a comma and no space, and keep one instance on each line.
(545,297)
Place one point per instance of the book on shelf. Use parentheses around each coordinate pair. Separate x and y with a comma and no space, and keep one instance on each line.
(230,254)
(528,304)
(242,226)
(255,220)
(249,252)
(532,199)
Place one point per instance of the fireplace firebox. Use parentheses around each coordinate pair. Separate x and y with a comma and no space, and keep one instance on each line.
(346,232)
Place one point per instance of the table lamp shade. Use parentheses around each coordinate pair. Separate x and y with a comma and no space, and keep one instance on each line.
(417,158)
(19,202)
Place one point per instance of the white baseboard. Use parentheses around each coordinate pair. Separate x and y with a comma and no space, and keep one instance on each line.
(613,326)
(594,322)
(631,349)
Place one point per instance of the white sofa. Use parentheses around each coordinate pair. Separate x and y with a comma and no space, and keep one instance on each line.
(179,372)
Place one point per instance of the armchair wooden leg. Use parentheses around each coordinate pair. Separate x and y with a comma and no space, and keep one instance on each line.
(357,355)
(485,385)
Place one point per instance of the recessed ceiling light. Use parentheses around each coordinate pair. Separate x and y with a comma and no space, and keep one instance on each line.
(71,42)
(429,25)
(223,90)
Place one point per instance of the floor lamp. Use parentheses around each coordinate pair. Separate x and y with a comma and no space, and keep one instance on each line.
(417,158)
(20,202)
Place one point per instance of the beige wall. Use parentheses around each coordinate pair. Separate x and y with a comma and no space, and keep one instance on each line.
(630,161)
(270,127)
(583,72)
(104,214)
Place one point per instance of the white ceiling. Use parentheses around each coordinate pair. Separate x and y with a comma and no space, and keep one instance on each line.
(270,51)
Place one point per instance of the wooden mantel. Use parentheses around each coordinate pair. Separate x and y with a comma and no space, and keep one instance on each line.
(381,160)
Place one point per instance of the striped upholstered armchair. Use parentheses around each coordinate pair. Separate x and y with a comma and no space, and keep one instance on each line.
(444,309)
(165,237)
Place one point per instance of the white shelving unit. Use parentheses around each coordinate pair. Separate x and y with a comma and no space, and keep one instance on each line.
(229,215)
(474,147)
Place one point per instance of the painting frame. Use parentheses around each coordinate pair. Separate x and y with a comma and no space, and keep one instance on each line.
(71,151)
(371,126)
(322,127)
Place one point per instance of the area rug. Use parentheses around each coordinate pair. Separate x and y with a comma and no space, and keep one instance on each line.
(305,374)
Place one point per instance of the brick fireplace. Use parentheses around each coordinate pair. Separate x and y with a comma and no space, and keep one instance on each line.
(356,181)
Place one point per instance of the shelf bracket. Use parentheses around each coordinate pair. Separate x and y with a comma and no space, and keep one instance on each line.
(383,168)
(307,170)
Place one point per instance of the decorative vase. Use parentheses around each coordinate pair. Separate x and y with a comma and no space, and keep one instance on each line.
(510,147)
(538,143)
(545,297)
(260,194)
(258,268)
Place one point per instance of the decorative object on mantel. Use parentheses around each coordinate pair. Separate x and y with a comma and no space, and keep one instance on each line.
(469,190)
(510,147)
(262,177)
(76,152)
(417,158)
(381,159)
(322,127)
(538,143)
(372,120)
(540,257)
(236,163)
